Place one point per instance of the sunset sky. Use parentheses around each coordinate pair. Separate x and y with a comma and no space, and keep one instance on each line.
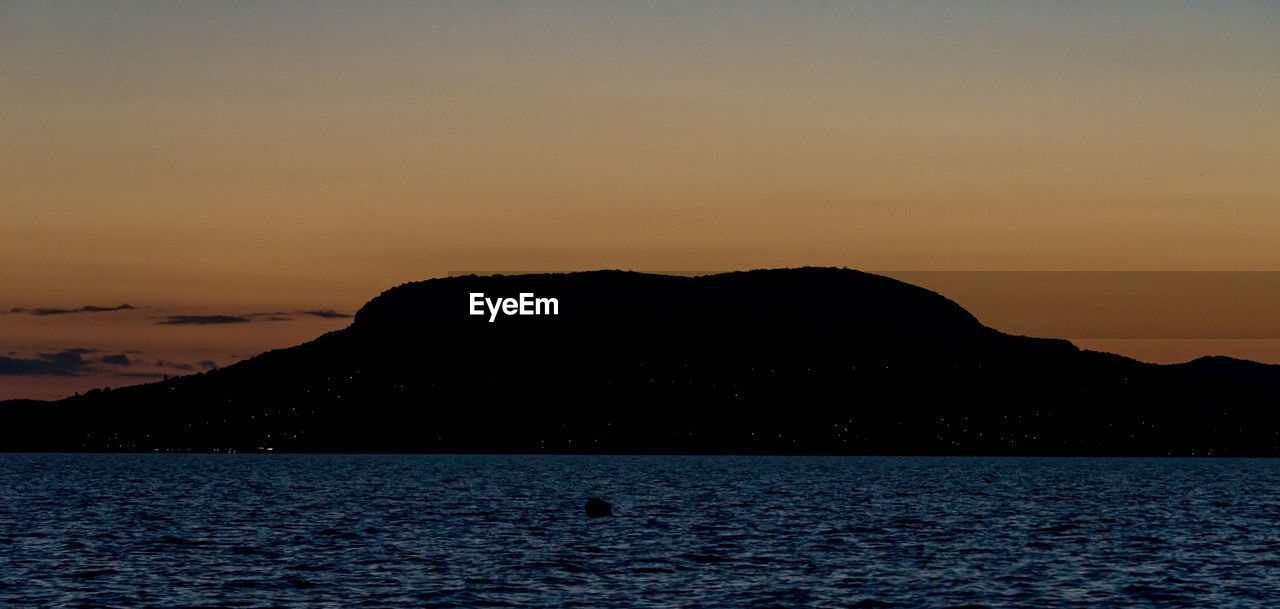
(281,163)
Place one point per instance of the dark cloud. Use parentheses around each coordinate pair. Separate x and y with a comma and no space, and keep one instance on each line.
(175,365)
(276,316)
(84,309)
(63,363)
(208,364)
(72,362)
(203,320)
(119,359)
(328,314)
(206,320)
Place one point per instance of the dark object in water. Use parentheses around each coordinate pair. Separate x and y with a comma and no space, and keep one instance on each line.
(598,507)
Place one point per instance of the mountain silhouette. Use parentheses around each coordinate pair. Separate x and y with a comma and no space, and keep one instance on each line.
(809,360)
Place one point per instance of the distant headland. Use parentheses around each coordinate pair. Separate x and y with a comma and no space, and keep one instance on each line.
(806,360)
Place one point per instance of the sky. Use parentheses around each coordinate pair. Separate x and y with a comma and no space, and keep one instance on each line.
(234,158)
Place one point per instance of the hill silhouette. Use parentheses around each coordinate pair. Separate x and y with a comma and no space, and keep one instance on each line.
(811,360)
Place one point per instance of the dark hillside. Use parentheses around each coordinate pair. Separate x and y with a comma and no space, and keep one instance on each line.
(810,360)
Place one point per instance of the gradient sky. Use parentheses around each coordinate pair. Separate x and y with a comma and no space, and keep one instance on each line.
(214,157)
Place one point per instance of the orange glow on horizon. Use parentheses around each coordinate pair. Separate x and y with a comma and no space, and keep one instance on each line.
(299,155)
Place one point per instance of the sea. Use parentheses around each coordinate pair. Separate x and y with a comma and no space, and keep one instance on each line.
(218,530)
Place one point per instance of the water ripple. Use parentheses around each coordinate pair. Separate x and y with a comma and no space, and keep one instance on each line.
(510,531)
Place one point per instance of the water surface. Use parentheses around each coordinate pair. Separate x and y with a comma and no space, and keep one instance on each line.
(93,530)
